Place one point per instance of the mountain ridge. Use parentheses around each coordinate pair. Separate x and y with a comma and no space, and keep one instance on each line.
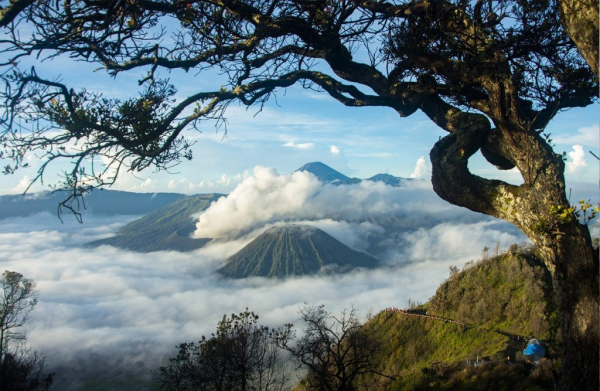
(326,174)
(323,172)
(167,228)
(167,222)
(101,202)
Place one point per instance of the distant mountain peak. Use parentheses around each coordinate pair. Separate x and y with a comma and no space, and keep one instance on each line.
(293,250)
(323,172)
(387,179)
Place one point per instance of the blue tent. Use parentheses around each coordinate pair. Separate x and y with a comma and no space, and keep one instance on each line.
(536,349)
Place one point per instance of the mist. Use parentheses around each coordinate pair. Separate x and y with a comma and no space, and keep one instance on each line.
(268,197)
(387,222)
(107,315)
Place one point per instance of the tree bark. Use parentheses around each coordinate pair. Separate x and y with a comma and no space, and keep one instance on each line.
(580,19)
(564,244)
(576,293)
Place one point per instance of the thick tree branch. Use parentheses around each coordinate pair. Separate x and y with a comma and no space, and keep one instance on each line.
(9,13)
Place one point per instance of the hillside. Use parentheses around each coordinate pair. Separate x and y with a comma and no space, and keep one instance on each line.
(99,202)
(293,250)
(494,299)
(167,228)
(509,293)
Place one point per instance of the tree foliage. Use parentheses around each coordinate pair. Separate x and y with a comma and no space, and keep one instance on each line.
(241,355)
(21,369)
(509,60)
(17,301)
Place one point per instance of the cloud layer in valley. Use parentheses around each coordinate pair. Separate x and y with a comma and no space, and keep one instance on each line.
(368,216)
(112,314)
(268,196)
(109,313)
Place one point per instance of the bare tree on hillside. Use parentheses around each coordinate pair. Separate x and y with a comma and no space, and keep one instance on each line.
(334,350)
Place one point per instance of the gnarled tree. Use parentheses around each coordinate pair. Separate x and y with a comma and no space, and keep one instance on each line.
(490,73)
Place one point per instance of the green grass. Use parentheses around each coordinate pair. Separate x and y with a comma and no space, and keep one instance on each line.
(509,293)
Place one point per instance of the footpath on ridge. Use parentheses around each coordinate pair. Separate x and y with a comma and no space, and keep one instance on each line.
(516,343)
(515,340)
(423,314)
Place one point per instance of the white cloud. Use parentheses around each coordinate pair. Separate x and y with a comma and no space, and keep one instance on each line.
(588,136)
(148,183)
(261,198)
(224,180)
(22,185)
(422,169)
(91,329)
(317,96)
(175,184)
(241,175)
(292,144)
(268,197)
(222,183)
(334,150)
(577,161)
(109,163)
(460,241)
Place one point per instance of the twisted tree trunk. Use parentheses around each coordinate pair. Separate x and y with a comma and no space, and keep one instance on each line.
(534,207)
(580,19)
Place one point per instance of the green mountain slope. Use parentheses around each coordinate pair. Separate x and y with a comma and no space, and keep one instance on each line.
(167,228)
(511,293)
(293,250)
(496,300)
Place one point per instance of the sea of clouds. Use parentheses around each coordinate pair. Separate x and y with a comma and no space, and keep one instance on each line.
(390,223)
(106,315)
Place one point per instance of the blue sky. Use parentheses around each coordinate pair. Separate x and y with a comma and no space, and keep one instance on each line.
(302,126)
